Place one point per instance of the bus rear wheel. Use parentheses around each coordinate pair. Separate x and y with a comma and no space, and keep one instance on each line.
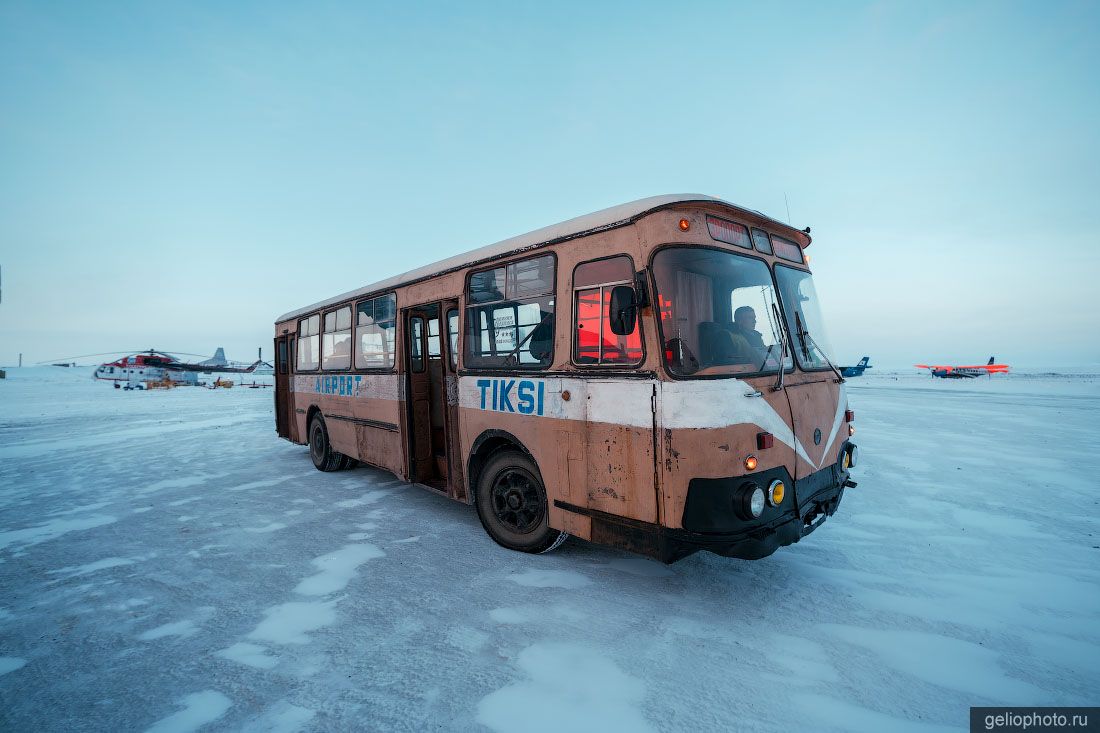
(320,449)
(511,503)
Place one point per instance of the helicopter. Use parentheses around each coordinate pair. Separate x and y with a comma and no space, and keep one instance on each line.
(150,367)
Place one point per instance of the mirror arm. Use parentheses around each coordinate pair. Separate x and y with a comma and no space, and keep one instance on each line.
(641,290)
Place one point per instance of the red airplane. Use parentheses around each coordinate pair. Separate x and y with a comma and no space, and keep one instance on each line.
(965,372)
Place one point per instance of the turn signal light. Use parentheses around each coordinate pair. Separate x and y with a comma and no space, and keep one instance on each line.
(776,491)
(750,463)
(684,225)
(850,456)
(851,430)
(764,441)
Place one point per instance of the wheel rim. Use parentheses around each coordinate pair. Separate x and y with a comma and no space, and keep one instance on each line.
(316,444)
(516,501)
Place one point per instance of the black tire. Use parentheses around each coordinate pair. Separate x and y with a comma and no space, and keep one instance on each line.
(348,463)
(320,449)
(511,503)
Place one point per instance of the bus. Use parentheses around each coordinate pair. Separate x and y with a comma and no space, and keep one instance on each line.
(653,377)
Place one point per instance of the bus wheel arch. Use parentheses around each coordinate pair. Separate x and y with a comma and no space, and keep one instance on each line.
(509,494)
(486,444)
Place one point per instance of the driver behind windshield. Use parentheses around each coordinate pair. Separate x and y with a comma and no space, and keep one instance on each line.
(744,325)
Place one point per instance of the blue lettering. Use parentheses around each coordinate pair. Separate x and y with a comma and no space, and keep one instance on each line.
(494,394)
(483,385)
(357,385)
(524,397)
(505,402)
(541,390)
(317,385)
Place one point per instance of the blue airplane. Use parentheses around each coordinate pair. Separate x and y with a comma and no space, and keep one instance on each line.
(857,370)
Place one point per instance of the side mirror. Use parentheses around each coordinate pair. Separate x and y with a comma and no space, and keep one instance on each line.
(624,310)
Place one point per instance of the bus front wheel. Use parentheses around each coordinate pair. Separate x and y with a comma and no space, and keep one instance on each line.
(320,449)
(511,503)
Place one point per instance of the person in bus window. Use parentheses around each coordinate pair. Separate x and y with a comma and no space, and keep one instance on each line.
(744,325)
(720,345)
(542,338)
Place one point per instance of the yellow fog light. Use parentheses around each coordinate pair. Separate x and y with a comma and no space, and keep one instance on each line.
(847,460)
(776,490)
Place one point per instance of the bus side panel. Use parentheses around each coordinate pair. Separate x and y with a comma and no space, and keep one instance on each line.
(377,410)
(552,431)
(381,448)
(621,464)
(592,440)
(341,433)
(363,422)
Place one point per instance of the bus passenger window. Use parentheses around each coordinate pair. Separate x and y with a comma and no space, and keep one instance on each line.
(336,343)
(309,339)
(376,332)
(594,342)
(452,335)
(510,319)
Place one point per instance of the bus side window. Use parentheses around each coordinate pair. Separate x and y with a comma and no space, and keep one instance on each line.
(336,343)
(309,343)
(375,332)
(452,336)
(510,316)
(593,340)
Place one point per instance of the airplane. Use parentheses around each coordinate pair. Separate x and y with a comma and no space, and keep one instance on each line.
(857,370)
(965,372)
(158,367)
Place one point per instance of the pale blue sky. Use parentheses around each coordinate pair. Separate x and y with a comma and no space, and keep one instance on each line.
(176,175)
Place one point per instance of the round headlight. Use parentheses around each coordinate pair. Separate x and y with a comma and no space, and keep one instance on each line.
(756,502)
(776,491)
(853,456)
(748,503)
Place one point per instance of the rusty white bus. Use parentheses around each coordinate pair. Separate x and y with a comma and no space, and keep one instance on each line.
(653,377)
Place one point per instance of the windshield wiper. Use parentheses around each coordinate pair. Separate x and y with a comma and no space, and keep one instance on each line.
(803,334)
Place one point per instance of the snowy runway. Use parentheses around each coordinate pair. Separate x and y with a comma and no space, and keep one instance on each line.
(167,563)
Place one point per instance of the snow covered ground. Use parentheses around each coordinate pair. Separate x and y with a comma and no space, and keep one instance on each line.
(167,563)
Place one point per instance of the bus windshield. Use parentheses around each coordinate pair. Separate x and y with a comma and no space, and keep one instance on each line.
(803,311)
(718,313)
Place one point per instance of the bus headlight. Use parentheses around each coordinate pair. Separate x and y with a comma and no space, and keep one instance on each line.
(851,456)
(776,491)
(750,501)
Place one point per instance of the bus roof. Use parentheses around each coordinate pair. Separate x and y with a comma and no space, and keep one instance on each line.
(582,225)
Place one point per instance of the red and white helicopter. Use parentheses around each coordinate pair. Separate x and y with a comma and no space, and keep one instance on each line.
(965,372)
(154,366)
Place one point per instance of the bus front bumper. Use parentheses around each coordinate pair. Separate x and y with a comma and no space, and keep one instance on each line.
(710,522)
